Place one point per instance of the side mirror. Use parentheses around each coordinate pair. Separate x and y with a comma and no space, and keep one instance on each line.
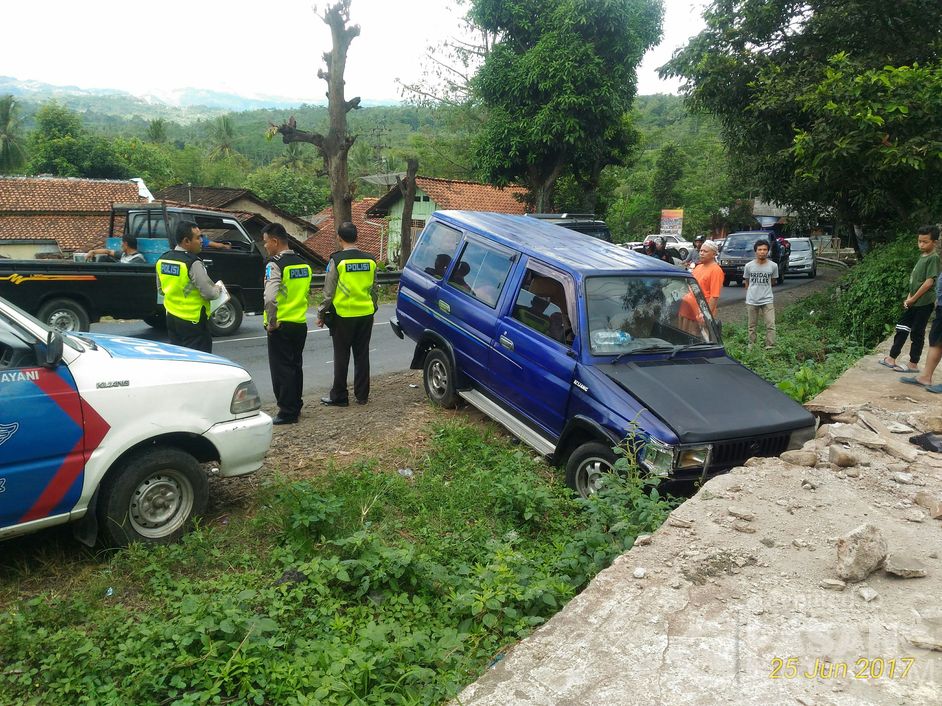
(49,354)
(719,330)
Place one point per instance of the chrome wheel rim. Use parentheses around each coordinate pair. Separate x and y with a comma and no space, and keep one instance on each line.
(161,504)
(437,379)
(63,320)
(591,473)
(223,316)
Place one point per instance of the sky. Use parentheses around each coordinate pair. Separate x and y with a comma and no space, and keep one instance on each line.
(250,48)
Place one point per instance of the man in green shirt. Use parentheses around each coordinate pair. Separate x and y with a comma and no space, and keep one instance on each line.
(917,307)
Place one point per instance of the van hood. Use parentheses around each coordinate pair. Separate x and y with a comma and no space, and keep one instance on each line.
(708,399)
(140,349)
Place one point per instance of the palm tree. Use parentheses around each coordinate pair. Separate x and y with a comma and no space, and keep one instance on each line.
(12,152)
(223,137)
(293,158)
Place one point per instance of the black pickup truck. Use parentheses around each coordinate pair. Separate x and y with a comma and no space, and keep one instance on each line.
(71,295)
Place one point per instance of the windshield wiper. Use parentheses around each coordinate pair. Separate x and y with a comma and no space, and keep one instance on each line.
(87,341)
(645,349)
(694,346)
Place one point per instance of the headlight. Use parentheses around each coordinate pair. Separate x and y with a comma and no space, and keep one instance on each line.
(800,437)
(245,398)
(724,262)
(693,457)
(658,457)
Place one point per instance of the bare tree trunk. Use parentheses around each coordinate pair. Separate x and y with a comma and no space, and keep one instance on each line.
(407,190)
(543,184)
(335,146)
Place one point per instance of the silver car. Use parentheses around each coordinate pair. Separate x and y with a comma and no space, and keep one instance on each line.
(803,258)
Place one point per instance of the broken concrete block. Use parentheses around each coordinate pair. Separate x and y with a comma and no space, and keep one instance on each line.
(867,593)
(833,585)
(741,513)
(932,503)
(800,458)
(905,566)
(840,456)
(860,553)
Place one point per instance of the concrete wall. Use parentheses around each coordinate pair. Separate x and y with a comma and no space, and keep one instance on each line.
(27,251)
(294,229)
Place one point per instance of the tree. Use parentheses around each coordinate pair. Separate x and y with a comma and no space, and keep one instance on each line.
(222,135)
(157,131)
(335,145)
(147,161)
(295,192)
(556,86)
(667,173)
(764,68)
(12,149)
(60,145)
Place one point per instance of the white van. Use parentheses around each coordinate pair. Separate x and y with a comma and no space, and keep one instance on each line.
(111,432)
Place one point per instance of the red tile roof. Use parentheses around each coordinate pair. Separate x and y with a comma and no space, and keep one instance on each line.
(454,194)
(55,195)
(73,212)
(218,197)
(369,233)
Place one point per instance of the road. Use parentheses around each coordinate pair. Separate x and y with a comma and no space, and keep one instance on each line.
(248,347)
(388,354)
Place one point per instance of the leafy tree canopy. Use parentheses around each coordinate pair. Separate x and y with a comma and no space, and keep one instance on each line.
(766,69)
(12,147)
(556,86)
(295,192)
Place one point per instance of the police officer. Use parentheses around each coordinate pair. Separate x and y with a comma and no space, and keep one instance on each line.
(350,297)
(287,284)
(187,289)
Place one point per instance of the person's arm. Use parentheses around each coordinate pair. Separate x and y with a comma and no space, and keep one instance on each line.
(272,285)
(746,270)
(200,279)
(774,282)
(923,288)
(101,251)
(330,287)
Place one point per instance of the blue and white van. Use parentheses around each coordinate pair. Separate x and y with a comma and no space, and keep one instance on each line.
(575,344)
(111,433)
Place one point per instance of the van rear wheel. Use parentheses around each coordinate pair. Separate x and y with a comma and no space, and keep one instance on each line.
(439,376)
(587,466)
(64,315)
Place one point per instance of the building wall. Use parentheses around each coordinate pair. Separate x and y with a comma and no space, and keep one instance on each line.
(27,251)
(250,206)
(422,209)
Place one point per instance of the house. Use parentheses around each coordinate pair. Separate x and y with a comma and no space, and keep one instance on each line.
(52,216)
(440,194)
(240,200)
(370,234)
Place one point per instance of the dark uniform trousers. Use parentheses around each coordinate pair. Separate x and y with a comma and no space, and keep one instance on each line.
(351,333)
(285,349)
(190,335)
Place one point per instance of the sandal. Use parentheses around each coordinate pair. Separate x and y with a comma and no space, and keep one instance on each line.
(897,367)
(914,381)
(935,388)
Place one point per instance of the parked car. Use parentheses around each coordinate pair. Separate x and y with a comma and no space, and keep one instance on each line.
(682,246)
(111,433)
(738,250)
(574,344)
(580,222)
(802,260)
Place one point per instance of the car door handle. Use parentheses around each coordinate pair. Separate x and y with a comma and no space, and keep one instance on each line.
(206,262)
(506,342)
(444,306)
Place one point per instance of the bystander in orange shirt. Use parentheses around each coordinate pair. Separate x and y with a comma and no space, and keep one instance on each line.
(709,276)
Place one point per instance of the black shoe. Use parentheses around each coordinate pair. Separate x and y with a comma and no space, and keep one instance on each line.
(327,402)
(284,420)
(362,401)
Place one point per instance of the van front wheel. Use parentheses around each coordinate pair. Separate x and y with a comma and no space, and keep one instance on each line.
(587,466)
(439,378)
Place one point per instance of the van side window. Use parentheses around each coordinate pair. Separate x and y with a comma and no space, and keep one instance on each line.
(436,247)
(541,305)
(481,272)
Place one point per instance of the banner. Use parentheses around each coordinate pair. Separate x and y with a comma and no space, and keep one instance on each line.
(672,221)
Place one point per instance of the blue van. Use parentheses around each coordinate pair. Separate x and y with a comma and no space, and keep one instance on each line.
(574,344)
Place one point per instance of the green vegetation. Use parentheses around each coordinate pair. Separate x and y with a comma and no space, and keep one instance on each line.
(358,586)
(822,335)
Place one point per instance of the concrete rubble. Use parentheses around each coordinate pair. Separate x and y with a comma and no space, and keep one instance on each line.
(835,567)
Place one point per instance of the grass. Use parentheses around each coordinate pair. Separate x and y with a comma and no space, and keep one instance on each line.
(358,586)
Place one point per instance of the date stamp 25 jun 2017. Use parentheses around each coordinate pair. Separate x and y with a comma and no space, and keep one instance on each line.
(863,668)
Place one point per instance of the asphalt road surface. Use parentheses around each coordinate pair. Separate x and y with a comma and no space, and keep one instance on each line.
(249,348)
(388,354)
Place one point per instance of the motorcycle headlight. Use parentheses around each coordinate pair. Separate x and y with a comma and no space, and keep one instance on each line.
(245,398)
(800,438)
(693,457)
(658,457)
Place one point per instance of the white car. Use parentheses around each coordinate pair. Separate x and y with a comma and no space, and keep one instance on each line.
(682,246)
(111,432)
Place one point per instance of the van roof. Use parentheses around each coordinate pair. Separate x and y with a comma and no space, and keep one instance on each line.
(555,245)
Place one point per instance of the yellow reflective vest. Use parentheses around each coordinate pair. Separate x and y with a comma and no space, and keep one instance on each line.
(181,297)
(292,297)
(356,272)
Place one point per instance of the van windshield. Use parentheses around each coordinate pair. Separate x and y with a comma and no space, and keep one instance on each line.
(635,314)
